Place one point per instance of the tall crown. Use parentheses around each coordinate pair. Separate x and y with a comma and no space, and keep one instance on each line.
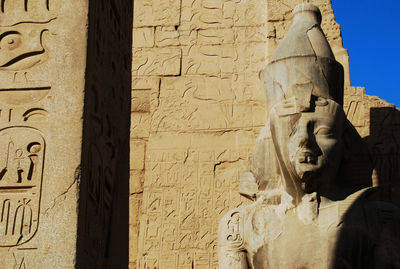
(304,59)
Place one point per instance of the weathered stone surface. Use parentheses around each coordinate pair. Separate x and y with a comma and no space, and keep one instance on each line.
(156,62)
(143,37)
(55,109)
(156,13)
(177,220)
(167,36)
(36,190)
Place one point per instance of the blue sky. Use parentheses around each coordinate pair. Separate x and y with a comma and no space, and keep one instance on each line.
(371,33)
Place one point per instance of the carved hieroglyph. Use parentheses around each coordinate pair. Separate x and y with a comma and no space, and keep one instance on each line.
(196,93)
(29,184)
(44,79)
(21,183)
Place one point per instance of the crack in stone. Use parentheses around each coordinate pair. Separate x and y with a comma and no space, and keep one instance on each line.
(77,177)
(222,162)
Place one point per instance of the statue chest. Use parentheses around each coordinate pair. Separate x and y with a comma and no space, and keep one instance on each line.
(288,242)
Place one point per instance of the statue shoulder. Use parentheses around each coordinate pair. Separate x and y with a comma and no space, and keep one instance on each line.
(381,214)
(383,226)
(238,226)
(365,208)
(230,230)
(231,244)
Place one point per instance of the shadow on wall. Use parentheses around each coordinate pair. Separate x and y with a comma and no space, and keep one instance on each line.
(103,224)
(369,233)
(384,145)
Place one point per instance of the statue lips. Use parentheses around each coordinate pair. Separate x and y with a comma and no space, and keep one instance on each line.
(307,157)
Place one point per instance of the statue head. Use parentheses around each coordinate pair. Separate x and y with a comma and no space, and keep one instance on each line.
(315,142)
(309,143)
(304,94)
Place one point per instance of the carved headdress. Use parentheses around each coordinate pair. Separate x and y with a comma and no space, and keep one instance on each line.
(303,63)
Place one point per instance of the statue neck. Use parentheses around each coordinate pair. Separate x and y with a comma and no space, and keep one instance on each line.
(324,193)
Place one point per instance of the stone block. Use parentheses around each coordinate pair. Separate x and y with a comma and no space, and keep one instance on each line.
(136,181)
(145,83)
(191,103)
(137,153)
(143,37)
(206,14)
(140,125)
(187,36)
(156,13)
(134,228)
(156,62)
(209,60)
(250,13)
(141,100)
(251,58)
(215,36)
(223,13)
(256,34)
(167,36)
(149,85)
(277,11)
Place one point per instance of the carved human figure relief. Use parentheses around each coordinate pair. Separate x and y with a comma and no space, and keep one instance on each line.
(315,212)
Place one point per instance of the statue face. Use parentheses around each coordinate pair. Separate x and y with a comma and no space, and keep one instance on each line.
(316,147)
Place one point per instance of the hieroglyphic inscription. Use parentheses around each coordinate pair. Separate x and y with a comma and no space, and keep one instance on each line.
(21,159)
(25,29)
(222,47)
(26,36)
(182,220)
(22,264)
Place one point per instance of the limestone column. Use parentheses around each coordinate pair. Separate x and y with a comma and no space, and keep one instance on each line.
(64,133)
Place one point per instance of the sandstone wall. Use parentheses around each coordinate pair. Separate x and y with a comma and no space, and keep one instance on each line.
(197,108)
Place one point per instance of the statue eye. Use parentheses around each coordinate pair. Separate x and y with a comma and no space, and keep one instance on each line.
(323,131)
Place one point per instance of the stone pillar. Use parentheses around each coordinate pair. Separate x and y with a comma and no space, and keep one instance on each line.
(64,128)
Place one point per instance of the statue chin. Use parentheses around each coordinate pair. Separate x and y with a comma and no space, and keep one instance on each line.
(308,174)
(306,171)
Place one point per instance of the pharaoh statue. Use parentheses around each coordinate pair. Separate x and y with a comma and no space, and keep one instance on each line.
(311,176)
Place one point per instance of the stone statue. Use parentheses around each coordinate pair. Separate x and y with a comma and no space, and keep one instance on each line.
(314,206)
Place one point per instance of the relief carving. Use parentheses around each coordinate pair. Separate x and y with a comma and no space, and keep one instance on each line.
(24,32)
(25,29)
(21,175)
